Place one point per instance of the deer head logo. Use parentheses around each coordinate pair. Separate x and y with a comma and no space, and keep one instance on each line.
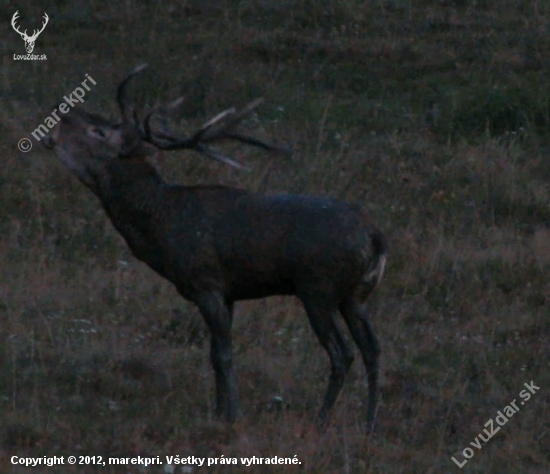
(29,40)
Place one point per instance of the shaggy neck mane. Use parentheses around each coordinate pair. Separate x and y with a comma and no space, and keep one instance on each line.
(128,183)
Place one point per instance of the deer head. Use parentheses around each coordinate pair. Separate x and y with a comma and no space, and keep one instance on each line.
(29,40)
(88,143)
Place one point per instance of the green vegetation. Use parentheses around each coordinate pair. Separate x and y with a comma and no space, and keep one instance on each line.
(434,114)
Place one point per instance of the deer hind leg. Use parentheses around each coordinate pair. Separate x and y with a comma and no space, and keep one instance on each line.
(357,318)
(218,315)
(323,321)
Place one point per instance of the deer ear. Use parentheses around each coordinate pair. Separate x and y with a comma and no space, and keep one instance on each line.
(126,139)
(145,150)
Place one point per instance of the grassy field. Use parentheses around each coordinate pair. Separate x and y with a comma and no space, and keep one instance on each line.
(433,114)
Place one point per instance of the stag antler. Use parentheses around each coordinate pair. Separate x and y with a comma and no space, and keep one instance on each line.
(128,113)
(205,134)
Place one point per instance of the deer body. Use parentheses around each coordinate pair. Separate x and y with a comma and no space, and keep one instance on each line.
(243,245)
(218,245)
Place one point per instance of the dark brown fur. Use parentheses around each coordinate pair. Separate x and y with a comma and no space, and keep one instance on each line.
(218,245)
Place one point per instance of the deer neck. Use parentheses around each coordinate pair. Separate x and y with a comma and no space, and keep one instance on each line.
(132,195)
(130,192)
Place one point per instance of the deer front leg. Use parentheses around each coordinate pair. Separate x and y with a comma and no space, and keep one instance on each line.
(218,316)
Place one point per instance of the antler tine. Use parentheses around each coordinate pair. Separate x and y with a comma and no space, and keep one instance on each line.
(191,142)
(205,134)
(237,116)
(121,92)
(216,119)
(166,142)
(146,130)
(225,132)
(246,110)
(176,103)
(220,157)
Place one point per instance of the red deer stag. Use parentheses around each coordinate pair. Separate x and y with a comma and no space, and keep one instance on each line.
(219,245)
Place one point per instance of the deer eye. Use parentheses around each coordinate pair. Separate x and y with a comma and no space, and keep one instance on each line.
(97,132)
